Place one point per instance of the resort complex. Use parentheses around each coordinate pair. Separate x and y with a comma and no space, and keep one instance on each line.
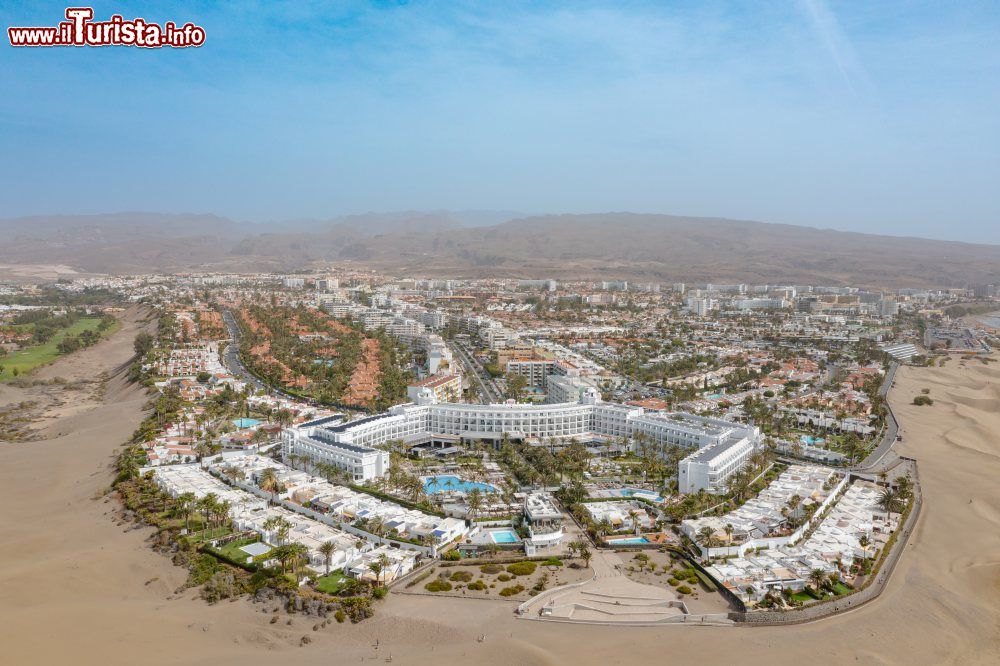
(721,447)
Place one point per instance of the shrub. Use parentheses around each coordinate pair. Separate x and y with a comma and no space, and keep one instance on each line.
(340,616)
(511,591)
(357,608)
(451,556)
(922,400)
(438,586)
(673,582)
(222,585)
(503,578)
(553,562)
(461,576)
(522,568)
(491,568)
(201,569)
(477,585)
(380,592)
(684,589)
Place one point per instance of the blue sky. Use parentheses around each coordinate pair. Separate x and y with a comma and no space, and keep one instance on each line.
(866,116)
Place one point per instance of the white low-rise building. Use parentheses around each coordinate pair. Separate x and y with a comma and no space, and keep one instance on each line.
(544,520)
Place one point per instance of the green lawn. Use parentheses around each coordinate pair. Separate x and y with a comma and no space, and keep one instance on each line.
(330,584)
(233,552)
(28,359)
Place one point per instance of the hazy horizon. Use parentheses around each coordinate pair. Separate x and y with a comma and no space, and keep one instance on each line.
(854,116)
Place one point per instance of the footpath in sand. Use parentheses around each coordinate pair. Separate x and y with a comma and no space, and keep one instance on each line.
(74,587)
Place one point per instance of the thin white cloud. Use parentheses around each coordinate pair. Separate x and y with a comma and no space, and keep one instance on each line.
(837,44)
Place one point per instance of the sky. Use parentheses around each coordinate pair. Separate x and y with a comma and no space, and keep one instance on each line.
(861,116)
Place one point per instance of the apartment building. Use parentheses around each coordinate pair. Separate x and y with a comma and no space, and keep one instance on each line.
(446,386)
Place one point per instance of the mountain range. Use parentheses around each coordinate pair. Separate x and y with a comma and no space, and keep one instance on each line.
(643,247)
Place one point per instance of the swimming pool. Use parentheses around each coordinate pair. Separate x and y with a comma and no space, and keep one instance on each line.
(245,423)
(647,494)
(810,440)
(444,483)
(504,536)
(628,541)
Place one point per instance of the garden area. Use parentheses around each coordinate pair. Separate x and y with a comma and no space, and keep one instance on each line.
(661,568)
(517,581)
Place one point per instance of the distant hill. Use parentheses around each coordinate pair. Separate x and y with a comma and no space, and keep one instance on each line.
(658,248)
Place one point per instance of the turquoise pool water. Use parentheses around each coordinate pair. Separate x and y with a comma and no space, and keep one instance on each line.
(628,541)
(632,492)
(444,483)
(810,440)
(245,423)
(504,536)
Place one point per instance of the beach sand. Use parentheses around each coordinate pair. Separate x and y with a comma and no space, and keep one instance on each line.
(76,587)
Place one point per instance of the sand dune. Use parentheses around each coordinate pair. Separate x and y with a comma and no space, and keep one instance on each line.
(74,586)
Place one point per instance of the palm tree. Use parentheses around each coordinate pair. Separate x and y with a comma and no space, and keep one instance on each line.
(207,506)
(706,534)
(283,554)
(816,577)
(279,526)
(585,553)
(296,552)
(890,501)
(864,542)
(268,481)
(222,511)
(376,568)
(379,567)
(326,549)
(728,529)
(377,527)
(475,502)
(186,502)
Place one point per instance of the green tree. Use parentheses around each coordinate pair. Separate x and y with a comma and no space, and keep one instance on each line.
(326,549)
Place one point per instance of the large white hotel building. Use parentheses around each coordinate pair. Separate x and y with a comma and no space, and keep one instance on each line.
(719,447)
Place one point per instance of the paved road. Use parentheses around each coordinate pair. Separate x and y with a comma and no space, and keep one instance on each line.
(877,460)
(231,359)
(487,387)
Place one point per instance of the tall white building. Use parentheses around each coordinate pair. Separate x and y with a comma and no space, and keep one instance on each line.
(729,443)
(701,306)
(320,441)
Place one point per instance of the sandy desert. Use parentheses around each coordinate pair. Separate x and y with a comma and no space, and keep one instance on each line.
(76,586)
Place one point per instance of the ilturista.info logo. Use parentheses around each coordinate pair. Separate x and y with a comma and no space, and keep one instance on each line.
(80,29)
